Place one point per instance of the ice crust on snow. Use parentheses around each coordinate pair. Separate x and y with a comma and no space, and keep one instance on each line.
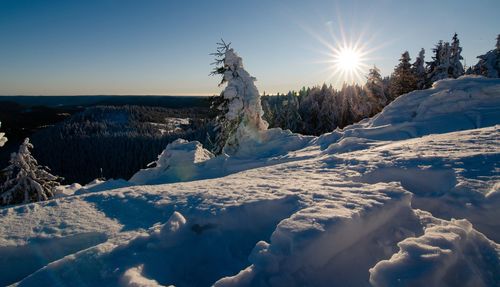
(404,198)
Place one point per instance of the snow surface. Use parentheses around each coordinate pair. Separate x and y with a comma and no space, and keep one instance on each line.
(408,198)
(3,139)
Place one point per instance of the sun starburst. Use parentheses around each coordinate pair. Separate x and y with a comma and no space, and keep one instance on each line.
(348,54)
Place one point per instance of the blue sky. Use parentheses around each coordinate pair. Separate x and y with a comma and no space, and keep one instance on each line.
(162,47)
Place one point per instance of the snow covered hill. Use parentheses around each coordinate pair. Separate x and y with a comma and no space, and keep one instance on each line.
(410,197)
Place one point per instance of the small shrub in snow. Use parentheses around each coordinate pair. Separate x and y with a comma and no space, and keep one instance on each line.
(25,180)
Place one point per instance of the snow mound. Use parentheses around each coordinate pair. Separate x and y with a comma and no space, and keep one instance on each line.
(180,161)
(98,185)
(329,240)
(448,254)
(451,175)
(133,278)
(469,102)
(186,161)
(269,143)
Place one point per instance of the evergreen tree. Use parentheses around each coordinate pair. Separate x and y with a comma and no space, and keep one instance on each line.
(26,181)
(328,113)
(374,88)
(456,68)
(443,65)
(432,65)
(442,70)
(489,63)
(403,79)
(419,70)
(291,117)
(239,105)
(310,110)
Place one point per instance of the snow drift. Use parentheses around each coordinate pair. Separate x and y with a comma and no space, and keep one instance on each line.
(469,102)
(180,161)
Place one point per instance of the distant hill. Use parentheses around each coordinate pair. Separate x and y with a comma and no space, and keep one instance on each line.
(158,101)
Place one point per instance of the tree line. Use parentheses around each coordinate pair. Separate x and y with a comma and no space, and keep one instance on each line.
(319,109)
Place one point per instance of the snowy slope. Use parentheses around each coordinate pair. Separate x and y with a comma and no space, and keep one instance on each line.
(394,201)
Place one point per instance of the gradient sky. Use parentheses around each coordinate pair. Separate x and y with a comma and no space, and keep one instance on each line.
(67,47)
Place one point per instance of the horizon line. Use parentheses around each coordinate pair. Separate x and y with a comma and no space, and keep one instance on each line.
(113,95)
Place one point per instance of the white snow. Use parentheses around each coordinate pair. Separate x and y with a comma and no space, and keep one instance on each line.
(3,139)
(180,161)
(407,198)
(171,125)
(448,254)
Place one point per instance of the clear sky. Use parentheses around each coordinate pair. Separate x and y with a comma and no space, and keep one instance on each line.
(67,47)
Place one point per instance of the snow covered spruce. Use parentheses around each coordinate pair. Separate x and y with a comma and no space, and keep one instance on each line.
(489,63)
(24,180)
(240,116)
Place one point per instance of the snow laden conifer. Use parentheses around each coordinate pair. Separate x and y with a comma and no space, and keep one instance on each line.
(239,106)
(25,180)
(3,139)
(289,117)
(489,63)
(403,79)
(418,69)
(440,66)
(431,66)
(374,88)
(456,68)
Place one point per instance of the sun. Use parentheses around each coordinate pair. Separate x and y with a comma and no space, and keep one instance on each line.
(348,60)
(346,54)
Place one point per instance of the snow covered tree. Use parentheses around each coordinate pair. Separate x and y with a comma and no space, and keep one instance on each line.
(239,105)
(456,68)
(289,117)
(3,139)
(419,70)
(432,65)
(441,70)
(445,62)
(403,80)
(489,63)
(328,113)
(374,88)
(310,110)
(25,180)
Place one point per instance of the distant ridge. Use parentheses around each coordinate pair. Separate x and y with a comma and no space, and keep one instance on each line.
(88,100)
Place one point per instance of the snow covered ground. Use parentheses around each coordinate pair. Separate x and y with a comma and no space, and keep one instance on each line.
(410,197)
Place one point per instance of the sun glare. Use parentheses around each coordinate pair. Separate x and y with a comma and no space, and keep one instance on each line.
(348,54)
(348,63)
(348,59)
